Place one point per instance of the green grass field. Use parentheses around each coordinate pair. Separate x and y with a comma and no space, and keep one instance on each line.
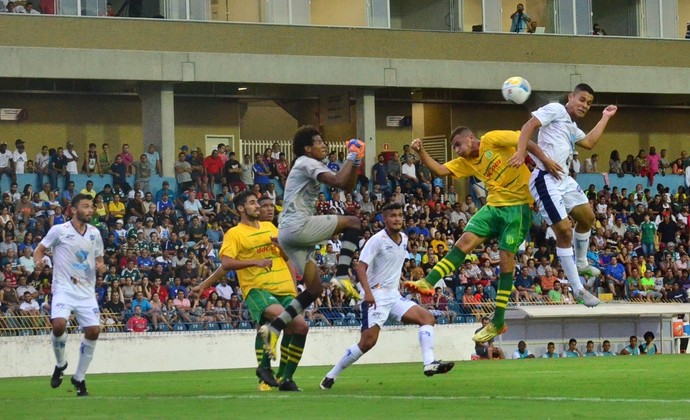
(620,387)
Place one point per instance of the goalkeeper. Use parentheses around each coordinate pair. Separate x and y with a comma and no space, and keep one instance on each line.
(506,216)
(300,229)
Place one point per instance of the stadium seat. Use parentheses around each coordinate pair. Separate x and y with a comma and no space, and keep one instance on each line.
(338,322)
(442,320)
(455,307)
(320,323)
(26,332)
(226,326)
(211,326)
(245,325)
(310,323)
(469,319)
(163,327)
(180,327)
(459,319)
(353,323)
(196,326)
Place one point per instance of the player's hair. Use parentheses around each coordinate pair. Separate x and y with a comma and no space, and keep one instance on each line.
(241,198)
(550,343)
(590,342)
(649,334)
(633,336)
(77,198)
(572,340)
(392,206)
(264,197)
(459,130)
(304,137)
(583,87)
(606,342)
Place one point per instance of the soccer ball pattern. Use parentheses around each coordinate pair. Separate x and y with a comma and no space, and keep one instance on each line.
(516,90)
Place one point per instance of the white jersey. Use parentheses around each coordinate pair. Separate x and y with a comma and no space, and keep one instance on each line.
(301,191)
(557,135)
(385,259)
(74,259)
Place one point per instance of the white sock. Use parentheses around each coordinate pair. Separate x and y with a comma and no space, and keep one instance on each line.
(85,357)
(426,342)
(581,246)
(565,256)
(351,355)
(59,348)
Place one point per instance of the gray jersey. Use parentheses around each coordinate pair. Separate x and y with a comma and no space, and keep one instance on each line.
(301,191)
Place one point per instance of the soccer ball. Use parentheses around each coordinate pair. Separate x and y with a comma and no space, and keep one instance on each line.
(516,90)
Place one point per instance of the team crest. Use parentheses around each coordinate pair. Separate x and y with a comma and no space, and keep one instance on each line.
(510,239)
(92,237)
(488,154)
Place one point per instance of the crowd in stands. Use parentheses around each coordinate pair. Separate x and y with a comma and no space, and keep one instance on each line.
(160,243)
(18,7)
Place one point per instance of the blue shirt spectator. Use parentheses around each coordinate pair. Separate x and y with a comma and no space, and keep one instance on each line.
(615,270)
(142,302)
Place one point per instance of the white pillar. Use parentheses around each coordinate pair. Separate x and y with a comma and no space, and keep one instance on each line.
(366,125)
(158,119)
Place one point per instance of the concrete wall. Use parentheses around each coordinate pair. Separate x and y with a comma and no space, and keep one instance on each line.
(127,352)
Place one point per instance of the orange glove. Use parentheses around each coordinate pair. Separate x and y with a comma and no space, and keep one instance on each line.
(355,149)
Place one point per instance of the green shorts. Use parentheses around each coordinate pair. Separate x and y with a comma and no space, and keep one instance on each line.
(258,300)
(509,224)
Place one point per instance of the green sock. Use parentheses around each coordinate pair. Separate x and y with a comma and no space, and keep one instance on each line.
(446,266)
(295,350)
(505,286)
(284,344)
(262,359)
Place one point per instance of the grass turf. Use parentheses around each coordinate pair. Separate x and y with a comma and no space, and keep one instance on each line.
(614,387)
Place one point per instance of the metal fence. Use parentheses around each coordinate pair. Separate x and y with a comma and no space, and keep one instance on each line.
(252,146)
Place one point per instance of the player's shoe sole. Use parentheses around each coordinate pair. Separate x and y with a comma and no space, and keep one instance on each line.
(266,376)
(588,270)
(327,383)
(488,333)
(80,386)
(587,299)
(56,379)
(420,286)
(346,286)
(270,340)
(438,367)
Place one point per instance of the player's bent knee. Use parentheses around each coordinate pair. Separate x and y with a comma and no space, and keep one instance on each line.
(59,326)
(298,326)
(91,333)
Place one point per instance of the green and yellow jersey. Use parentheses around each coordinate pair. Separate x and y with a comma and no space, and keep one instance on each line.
(506,185)
(244,242)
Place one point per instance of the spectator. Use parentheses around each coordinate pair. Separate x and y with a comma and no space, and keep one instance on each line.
(631,349)
(572,350)
(487,350)
(6,162)
(19,157)
(519,20)
(575,165)
(144,170)
(648,347)
(630,166)
(213,165)
(590,164)
(522,352)
(154,159)
(615,165)
(652,165)
(598,30)
(183,171)
(550,351)
(137,323)
(615,277)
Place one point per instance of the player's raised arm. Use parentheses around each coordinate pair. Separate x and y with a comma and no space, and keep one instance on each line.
(346,177)
(436,168)
(592,138)
(526,133)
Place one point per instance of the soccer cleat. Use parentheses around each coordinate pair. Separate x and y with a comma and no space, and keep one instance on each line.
(263,387)
(438,366)
(327,383)
(289,385)
(266,376)
(80,386)
(589,270)
(56,379)
(587,299)
(346,286)
(270,337)
(488,333)
(420,286)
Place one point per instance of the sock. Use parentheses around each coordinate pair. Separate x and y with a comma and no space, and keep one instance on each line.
(565,256)
(351,355)
(262,359)
(59,348)
(295,308)
(426,342)
(581,246)
(284,344)
(294,354)
(446,266)
(505,286)
(85,357)
(347,250)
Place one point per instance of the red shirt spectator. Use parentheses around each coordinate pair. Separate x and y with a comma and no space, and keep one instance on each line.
(213,163)
(137,323)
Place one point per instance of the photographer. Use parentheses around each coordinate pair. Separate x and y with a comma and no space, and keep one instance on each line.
(520,20)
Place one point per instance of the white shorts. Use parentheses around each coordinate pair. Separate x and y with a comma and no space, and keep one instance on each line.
(389,304)
(86,310)
(555,198)
(298,241)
